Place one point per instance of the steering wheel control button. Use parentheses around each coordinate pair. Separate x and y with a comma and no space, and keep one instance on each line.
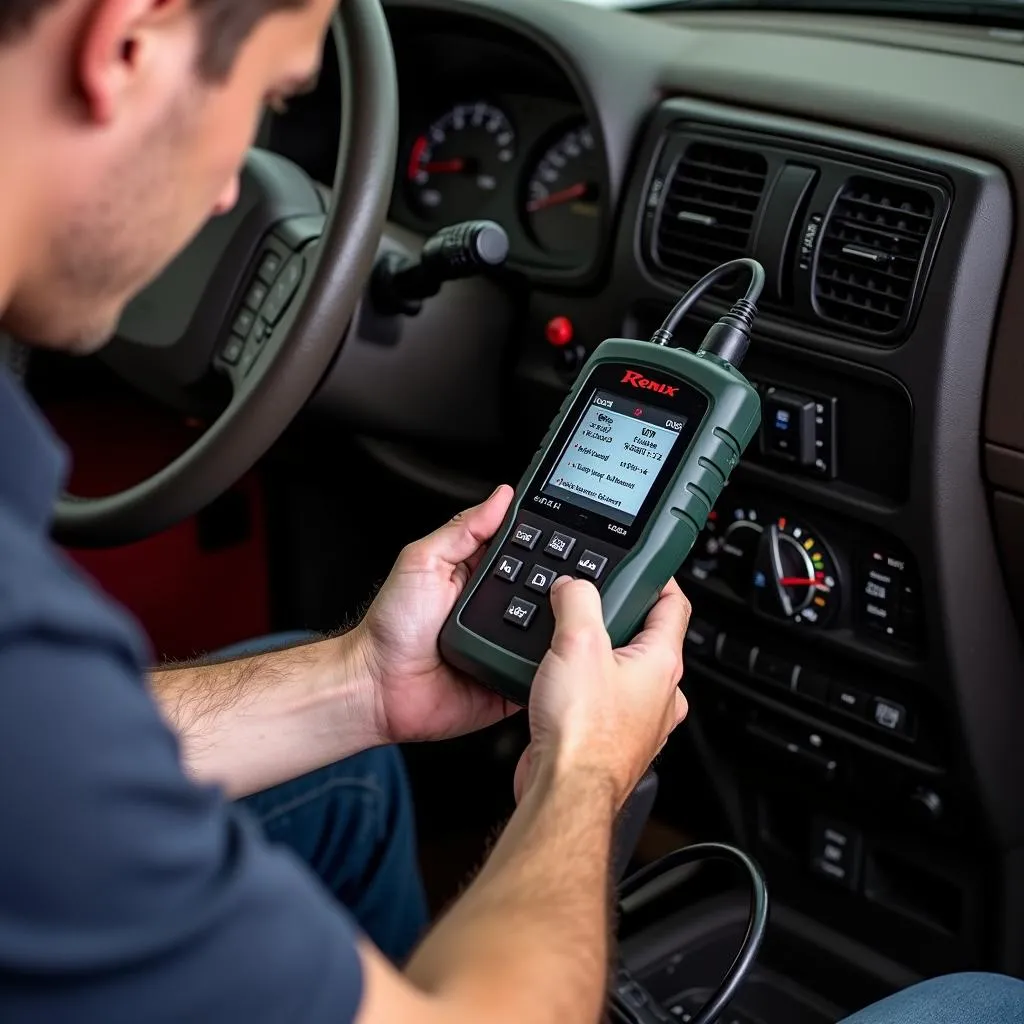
(836,852)
(260,331)
(243,323)
(850,700)
(540,579)
(283,290)
(520,613)
(560,546)
(270,267)
(257,296)
(889,715)
(508,568)
(232,351)
(526,536)
(591,565)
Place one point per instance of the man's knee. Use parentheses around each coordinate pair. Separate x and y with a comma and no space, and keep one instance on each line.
(969,998)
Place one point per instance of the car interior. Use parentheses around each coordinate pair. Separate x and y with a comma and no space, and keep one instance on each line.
(855,723)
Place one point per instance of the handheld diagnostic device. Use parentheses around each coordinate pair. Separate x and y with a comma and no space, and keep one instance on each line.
(617,493)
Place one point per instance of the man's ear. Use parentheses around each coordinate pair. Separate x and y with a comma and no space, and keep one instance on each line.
(121,43)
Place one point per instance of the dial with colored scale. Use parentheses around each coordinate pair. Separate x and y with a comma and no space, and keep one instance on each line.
(794,574)
(776,563)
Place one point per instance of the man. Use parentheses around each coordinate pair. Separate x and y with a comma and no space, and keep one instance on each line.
(129,889)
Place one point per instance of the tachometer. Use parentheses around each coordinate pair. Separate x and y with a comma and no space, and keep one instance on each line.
(562,208)
(459,161)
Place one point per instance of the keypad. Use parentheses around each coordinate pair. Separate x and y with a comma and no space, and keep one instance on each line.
(508,568)
(526,536)
(520,613)
(540,579)
(591,565)
(523,607)
(560,546)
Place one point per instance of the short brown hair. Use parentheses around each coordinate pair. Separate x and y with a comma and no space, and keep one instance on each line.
(225,25)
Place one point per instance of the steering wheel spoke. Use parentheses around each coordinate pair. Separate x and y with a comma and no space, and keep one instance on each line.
(262,297)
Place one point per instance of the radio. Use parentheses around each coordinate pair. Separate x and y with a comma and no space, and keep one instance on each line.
(617,493)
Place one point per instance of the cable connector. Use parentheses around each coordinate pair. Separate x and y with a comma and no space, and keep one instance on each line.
(729,338)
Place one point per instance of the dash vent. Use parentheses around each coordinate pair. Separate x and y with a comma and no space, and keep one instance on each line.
(710,209)
(871,253)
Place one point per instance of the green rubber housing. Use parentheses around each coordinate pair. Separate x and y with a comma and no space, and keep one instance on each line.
(631,589)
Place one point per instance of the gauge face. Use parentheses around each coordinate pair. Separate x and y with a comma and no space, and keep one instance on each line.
(459,161)
(729,548)
(779,565)
(794,575)
(562,204)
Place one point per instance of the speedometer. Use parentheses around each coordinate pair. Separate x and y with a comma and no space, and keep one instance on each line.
(459,161)
(562,208)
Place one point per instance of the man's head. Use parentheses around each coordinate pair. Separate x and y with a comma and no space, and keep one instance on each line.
(122,128)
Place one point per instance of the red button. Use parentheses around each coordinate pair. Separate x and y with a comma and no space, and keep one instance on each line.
(559,331)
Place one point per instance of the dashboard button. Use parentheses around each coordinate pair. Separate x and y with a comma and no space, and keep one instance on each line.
(520,613)
(849,699)
(774,669)
(889,715)
(560,545)
(508,568)
(540,579)
(812,685)
(700,638)
(591,565)
(526,536)
(737,654)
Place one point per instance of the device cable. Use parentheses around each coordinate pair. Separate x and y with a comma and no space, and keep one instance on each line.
(729,338)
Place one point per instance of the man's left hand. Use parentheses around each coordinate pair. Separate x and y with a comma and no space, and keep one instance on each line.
(418,696)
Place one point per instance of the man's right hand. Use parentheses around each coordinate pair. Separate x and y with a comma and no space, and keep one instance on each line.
(605,711)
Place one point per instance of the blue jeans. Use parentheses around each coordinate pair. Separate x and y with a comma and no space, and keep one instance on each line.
(957,999)
(353,824)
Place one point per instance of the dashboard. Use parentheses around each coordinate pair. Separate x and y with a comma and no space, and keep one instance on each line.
(492,130)
(857,596)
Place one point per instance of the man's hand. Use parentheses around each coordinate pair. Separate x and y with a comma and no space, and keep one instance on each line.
(418,696)
(601,710)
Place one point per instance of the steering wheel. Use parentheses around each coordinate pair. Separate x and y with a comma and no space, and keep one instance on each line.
(258,305)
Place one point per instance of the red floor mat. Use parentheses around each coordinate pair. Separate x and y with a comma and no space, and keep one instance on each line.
(188,599)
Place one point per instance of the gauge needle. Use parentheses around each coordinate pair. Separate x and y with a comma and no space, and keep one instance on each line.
(566,195)
(444,166)
(797,581)
(776,557)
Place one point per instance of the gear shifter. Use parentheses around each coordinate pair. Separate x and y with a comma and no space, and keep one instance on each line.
(399,285)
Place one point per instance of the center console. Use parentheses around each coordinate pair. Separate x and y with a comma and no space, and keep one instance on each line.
(852,662)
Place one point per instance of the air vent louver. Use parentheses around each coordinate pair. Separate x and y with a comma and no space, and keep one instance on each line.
(710,208)
(871,253)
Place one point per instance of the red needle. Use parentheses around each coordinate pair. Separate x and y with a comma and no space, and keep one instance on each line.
(797,581)
(444,166)
(567,194)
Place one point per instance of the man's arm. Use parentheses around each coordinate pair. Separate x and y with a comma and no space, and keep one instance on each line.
(529,940)
(251,724)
